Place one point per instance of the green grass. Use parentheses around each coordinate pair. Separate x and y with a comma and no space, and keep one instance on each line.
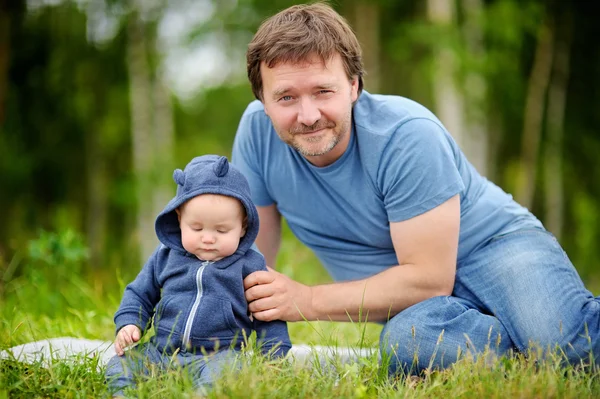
(46,296)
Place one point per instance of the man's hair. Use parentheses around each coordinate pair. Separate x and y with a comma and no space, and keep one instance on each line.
(299,32)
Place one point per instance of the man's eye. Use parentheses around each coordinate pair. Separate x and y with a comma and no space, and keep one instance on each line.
(286,98)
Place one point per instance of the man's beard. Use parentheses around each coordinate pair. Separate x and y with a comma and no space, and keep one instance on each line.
(302,129)
(342,129)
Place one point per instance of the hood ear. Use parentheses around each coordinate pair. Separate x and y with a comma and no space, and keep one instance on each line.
(179,177)
(221,167)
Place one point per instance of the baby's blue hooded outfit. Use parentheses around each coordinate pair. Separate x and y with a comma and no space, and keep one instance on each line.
(198,307)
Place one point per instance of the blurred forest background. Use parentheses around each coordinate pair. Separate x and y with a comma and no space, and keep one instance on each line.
(101,99)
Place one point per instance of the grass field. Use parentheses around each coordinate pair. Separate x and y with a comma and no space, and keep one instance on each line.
(45,293)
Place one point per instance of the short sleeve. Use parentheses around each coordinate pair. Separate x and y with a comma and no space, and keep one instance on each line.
(247,155)
(418,169)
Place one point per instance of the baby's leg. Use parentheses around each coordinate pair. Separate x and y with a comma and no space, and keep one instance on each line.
(205,370)
(122,371)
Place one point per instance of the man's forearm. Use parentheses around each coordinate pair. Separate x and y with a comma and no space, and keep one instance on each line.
(268,240)
(377,298)
(269,244)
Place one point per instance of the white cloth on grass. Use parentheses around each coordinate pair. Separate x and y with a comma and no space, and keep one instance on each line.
(70,348)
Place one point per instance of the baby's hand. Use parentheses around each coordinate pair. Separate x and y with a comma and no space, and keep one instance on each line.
(126,336)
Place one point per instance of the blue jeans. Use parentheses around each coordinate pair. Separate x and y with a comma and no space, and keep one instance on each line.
(519,291)
(122,371)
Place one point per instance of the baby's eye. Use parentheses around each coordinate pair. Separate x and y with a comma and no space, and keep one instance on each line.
(222,231)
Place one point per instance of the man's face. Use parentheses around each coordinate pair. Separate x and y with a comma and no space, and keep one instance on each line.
(310,106)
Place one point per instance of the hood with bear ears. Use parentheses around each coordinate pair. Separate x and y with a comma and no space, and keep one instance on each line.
(207,174)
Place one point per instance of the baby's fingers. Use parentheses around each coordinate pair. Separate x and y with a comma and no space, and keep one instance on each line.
(136,334)
(118,347)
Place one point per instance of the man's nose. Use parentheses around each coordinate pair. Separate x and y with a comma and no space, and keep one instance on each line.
(309,112)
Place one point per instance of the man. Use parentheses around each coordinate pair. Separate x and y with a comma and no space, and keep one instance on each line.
(379,190)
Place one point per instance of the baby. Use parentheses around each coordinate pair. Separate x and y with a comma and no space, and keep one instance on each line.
(193,283)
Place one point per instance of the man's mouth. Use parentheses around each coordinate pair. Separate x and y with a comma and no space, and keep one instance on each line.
(312,132)
(309,130)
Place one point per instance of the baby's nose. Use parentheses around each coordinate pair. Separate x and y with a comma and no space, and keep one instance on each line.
(208,238)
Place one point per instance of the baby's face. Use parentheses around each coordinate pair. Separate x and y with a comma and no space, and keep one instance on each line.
(211,226)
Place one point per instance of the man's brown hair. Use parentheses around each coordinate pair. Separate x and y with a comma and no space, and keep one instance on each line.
(299,32)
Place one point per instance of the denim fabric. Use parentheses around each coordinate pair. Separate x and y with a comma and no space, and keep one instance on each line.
(518,291)
(122,371)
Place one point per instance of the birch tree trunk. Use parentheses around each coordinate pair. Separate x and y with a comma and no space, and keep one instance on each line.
(534,110)
(476,141)
(140,94)
(366,23)
(557,96)
(448,100)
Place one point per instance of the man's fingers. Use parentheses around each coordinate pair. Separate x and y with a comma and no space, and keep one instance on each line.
(261,305)
(267,315)
(256,278)
(258,291)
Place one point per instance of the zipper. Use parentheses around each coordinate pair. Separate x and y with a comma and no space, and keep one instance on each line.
(186,343)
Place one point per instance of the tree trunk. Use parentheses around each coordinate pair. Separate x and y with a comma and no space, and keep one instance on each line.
(555,124)
(140,94)
(448,100)
(477,136)
(4,57)
(96,198)
(164,132)
(366,23)
(534,110)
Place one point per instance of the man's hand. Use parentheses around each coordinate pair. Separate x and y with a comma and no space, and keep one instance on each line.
(274,296)
(127,336)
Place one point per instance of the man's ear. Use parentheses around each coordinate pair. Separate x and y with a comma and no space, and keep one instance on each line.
(354,89)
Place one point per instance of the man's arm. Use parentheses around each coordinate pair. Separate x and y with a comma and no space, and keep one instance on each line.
(426,247)
(269,232)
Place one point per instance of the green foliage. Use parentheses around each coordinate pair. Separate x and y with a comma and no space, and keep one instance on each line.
(50,282)
(64,252)
(75,379)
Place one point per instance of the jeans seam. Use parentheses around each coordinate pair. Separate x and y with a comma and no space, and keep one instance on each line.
(519,232)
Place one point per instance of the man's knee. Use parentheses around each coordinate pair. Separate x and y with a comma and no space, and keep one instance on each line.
(437,332)
(409,340)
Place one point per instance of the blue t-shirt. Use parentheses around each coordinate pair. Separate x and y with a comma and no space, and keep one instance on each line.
(400,163)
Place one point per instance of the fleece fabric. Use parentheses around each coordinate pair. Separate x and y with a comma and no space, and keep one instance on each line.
(200,305)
